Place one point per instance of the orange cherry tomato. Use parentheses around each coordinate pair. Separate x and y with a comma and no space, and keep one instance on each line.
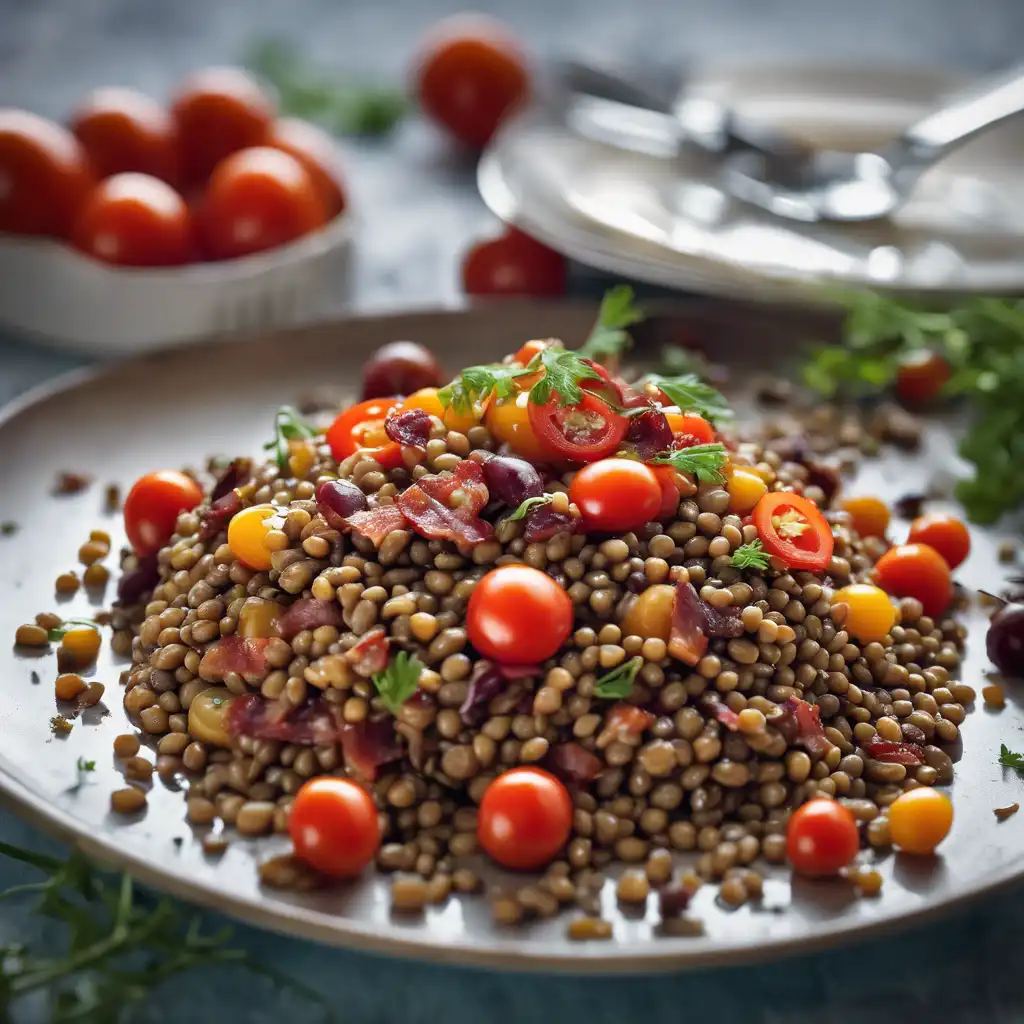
(125,130)
(135,220)
(869,515)
(525,818)
(919,820)
(316,151)
(217,112)
(821,838)
(509,423)
(44,175)
(513,264)
(947,534)
(470,75)
(616,495)
(152,507)
(916,570)
(793,530)
(921,377)
(334,826)
(518,616)
(690,425)
(361,427)
(529,352)
(247,535)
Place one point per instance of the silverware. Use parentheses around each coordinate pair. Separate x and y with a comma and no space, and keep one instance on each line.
(836,186)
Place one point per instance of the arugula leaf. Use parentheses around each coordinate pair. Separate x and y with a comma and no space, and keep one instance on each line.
(58,633)
(704,461)
(399,681)
(288,426)
(477,382)
(563,370)
(608,337)
(528,505)
(86,766)
(617,684)
(751,556)
(1009,759)
(692,394)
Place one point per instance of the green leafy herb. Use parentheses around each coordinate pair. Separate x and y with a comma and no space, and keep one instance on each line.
(8,528)
(121,944)
(692,394)
(60,726)
(476,383)
(528,505)
(704,461)
(345,107)
(288,426)
(677,361)
(86,766)
(563,371)
(751,556)
(399,681)
(609,338)
(58,633)
(1009,759)
(617,684)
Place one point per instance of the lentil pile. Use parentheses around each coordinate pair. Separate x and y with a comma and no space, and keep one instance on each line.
(698,697)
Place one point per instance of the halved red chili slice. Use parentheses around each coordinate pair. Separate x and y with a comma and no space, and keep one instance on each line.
(793,530)
(584,432)
(361,427)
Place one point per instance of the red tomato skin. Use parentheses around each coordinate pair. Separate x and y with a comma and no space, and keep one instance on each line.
(317,152)
(514,265)
(916,570)
(525,818)
(922,377)
(947,534)
(545,420)
(821,838)
(788,551)
(152,506)
(691,425)
(334,826)
(670,493)
(616,495)
(518,616)
(343,435)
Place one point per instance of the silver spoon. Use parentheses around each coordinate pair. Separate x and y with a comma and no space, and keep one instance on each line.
(836,186)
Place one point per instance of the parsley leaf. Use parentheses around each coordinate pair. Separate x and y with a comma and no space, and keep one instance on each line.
(608,337)
(563,370)
(751,556)
(677,361)
(617,684)
(528,505)
(1009,759)
(58,633)
(399,681)
(704,461)
(86,766)
(476,383)
(288,426)
(692,394)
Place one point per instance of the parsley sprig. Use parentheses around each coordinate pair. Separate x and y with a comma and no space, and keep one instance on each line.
(692,394)
(399,681)
(477,382)
(85,766)
(751,556)
(1010,759)
(527,506)
(617,684)
(563,371)
(704,461)
(57,633)
(609,338)
(288,426)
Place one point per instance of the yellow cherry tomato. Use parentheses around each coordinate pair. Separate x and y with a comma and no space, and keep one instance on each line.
(207,716)
(920,819)
(247,532)
(869,516)
(650,615)
(871,614)
(509,423)
(746,488)
(427,400)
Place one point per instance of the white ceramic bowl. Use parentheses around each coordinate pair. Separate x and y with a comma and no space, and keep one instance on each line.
(65,299)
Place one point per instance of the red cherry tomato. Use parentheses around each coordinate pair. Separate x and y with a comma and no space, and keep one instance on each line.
(470,75)
(334,826)
(947,534)
(513,264)
(821,838)
(525,818)
(362,427)
(916,570)
(152,507)
(400,368)
(125,130)
(258,199)
(44,175)
(584,432)
(316,151)
(689,425)
(518,616)
(217,112)
(616,495)
(670,481)
(793,530)
(921,376)
(135,220)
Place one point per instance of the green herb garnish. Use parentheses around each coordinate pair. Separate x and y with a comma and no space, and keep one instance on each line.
(1008,759)
(704,461)
(477,382)
(617,684)
(529,504)
(59,726)
(288,426)
(563,371)
(751,556)
(692,394)
(608,337)
(86,766)
(58,633)
(677,361)
(8,528)
(399,681)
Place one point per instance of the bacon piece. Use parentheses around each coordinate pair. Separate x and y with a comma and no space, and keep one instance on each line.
(310,724)
(573,764)
(376,523)
(544,522)
(237,473)
(809,731)
(219,514)
(624,722)
(447,506)
(368,745)
(308,613)
(725,715)
(411,427)
(694,620)
(649,433)
(370,654)
(245,656)
(890,752)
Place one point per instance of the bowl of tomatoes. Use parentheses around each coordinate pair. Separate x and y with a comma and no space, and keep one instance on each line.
(138,224)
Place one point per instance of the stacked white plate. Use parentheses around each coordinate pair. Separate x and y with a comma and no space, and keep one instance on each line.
(660,217)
